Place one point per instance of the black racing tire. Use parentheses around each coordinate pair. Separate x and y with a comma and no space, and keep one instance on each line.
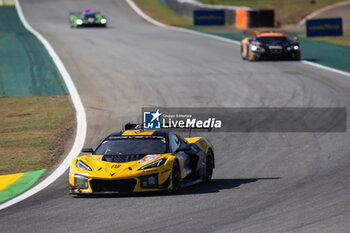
(295,57)
(209,167)
(175,177)
(253,59)
(248,57)
(243,55)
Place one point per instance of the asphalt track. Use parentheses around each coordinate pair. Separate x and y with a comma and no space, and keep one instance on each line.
(263,182)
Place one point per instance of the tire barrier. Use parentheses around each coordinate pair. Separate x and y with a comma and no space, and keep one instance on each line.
(240,16)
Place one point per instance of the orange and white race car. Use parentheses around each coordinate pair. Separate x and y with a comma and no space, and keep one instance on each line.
(269,45)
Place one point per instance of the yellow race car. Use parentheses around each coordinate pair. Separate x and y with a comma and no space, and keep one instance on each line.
(139,160)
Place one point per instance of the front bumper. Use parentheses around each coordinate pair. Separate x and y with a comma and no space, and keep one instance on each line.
(145,183)
(92,25)
(273,55)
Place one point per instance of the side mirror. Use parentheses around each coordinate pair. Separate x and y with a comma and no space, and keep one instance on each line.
(183,147)
(87,150)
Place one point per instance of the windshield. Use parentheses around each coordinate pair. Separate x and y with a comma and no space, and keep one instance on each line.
(273,40)
(132,146)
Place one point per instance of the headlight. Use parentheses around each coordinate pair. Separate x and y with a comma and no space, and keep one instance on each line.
(256,48)
(81,165)
(296,47)
(79,21)
(80,182)
(103,21)
(253,47)
(156,163)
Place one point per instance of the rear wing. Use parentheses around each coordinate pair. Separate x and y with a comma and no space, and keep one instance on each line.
(252,32)
(276,31)
(79,12)
(139,126)
(131,126)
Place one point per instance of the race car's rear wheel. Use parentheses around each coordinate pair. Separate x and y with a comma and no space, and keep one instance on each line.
(175,176)
(209,166)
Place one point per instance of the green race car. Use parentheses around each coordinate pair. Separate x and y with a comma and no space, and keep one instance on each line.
(87,19)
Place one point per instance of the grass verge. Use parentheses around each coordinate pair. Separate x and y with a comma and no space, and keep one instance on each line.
(33,131)
(287,11)
(162,13)
(7,2)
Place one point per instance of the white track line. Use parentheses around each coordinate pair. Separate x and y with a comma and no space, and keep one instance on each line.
(80,116)
(325,68)
(149,19)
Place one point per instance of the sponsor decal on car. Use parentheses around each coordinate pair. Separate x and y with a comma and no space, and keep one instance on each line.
(148,158)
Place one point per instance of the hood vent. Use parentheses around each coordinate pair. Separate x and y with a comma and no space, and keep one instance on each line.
(121,158)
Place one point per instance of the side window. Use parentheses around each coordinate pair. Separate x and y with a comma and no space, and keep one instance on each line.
(182,140)
(174,142)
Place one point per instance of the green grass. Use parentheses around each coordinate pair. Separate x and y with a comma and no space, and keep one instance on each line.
(7,2)
(287,11)
(33,131)
(161,12)
(339,40)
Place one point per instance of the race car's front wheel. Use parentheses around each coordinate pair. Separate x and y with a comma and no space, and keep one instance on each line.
(295,57)
(243,54)
(209,166)
(175,177)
